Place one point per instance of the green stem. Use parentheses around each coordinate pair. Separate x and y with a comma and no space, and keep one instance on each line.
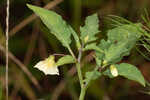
(85,87)
(78,67)
(79,74)
(71,52)
(90,78)
(82,94)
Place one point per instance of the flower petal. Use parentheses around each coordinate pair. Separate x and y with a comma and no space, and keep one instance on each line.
(113,70)
(48,66)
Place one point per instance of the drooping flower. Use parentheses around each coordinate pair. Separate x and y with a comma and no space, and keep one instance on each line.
(113,70)
(48,66)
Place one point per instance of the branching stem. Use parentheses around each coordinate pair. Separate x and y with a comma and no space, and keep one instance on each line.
(78,65)
(71,52)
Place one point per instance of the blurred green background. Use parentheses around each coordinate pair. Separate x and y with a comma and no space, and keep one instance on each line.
(30,41)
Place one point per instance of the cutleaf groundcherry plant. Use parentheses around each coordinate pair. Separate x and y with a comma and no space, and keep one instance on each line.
(120,40)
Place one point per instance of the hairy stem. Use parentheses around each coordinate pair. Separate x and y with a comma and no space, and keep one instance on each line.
(71,52)
(78,65)
(82,94)
(86,85)
(79,74)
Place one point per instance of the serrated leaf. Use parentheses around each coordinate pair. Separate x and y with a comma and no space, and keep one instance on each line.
(68,59)
(90,29)
(92,46)
(120,42)
(104,45)
(126,32)
(92,75)
(116,52)
(55,23)
(98,61)
(128,71)
(123,39)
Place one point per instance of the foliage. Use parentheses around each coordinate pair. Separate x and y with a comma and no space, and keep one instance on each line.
(129,71)
(65,60)
(145,41)
(55,23)
(120,41)
(90,29)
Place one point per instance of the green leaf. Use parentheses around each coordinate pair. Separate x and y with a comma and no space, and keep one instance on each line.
(90,29)
(75,37)
(129,32)
(116,52)
(55,23)
(68,59)
(92,75)
(128,71)
(98,61)
(119,43)
(92,46)
(104,45)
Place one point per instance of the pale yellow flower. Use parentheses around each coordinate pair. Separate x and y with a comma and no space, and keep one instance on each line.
(48,66)
(113,70)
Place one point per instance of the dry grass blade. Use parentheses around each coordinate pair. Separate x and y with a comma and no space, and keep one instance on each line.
(22,66)
(31,46)
(32,17)
(7,38)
